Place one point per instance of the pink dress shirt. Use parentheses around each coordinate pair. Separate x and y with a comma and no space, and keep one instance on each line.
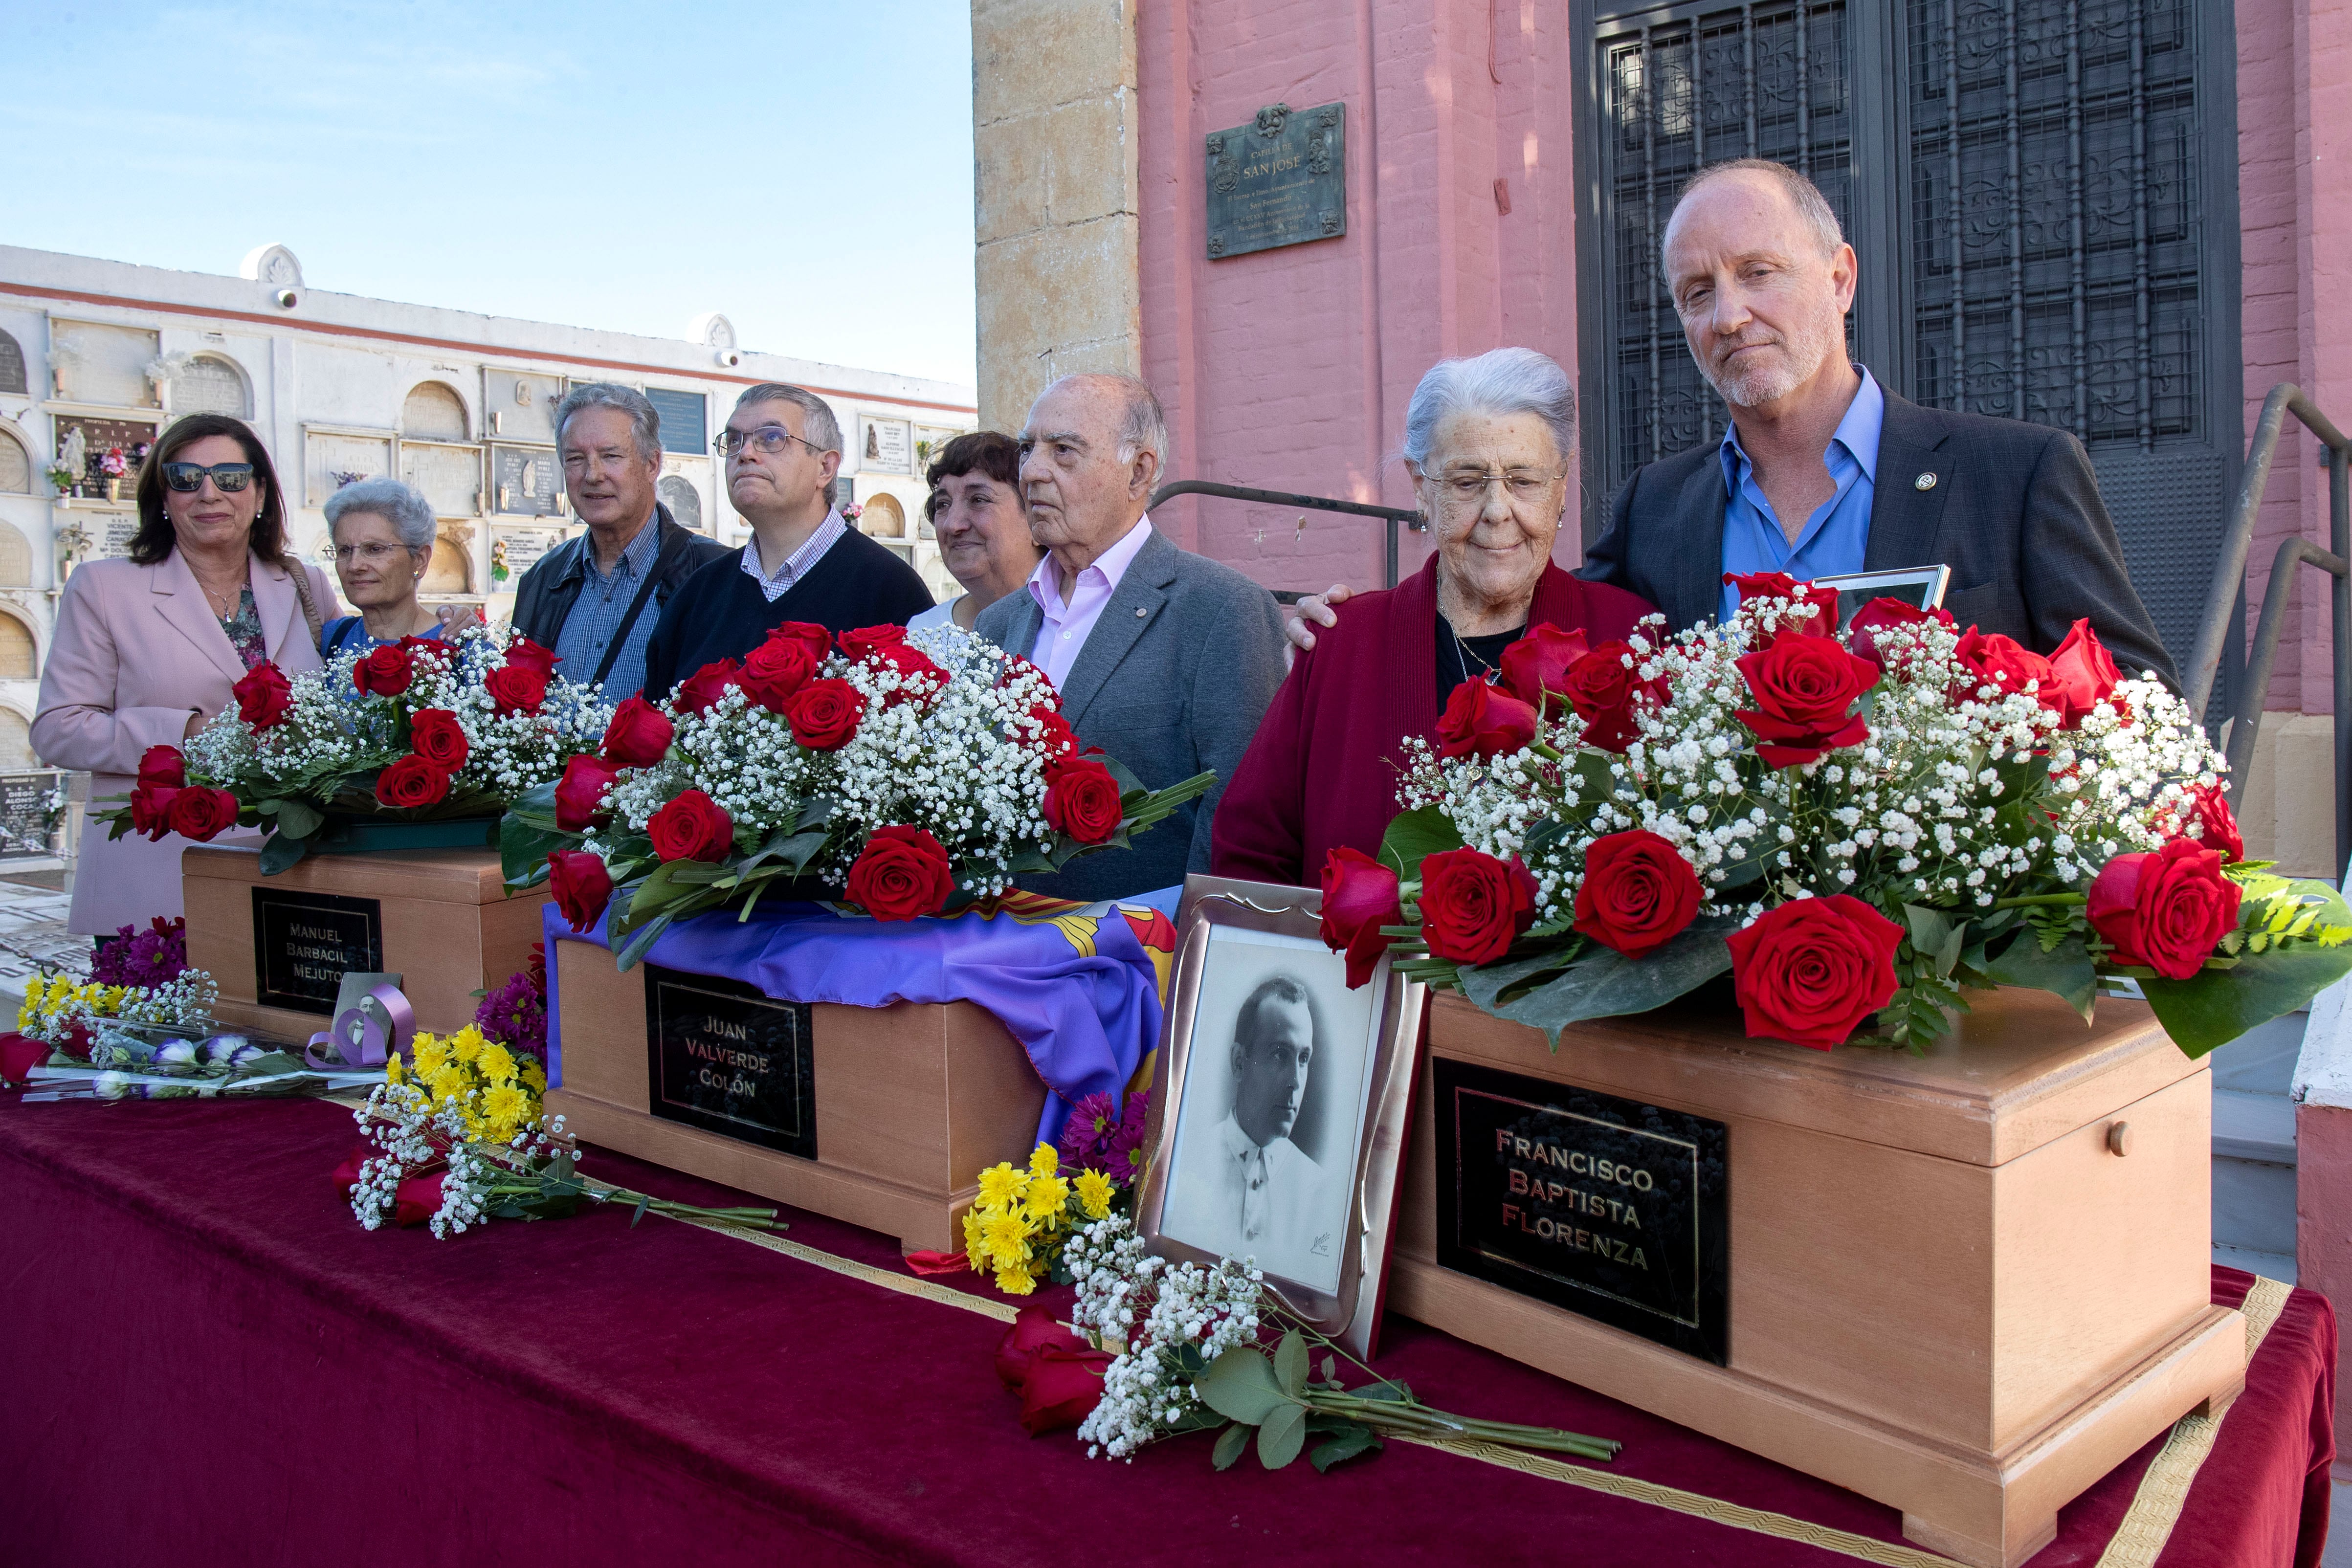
(1063,631)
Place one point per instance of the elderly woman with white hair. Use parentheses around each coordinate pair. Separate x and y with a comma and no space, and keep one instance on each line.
(382,533)
(1488,442)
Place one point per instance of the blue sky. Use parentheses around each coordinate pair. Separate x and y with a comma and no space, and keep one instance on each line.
(805,168)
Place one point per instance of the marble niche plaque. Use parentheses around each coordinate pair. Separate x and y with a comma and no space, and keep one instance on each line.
(1279,180)
(725,1057)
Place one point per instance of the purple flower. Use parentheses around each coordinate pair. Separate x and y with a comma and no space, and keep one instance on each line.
(1099,1137)
(515,1015)
(148,957)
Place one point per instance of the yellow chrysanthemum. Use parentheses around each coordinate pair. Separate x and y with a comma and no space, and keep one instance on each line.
(507,1106)
(1095,1191)
(975,1241)
(1015,1282)
(1047,1197)
(1000,1185)
(534,1076)
(431,1054)
(467,1044)
(448,1083)
(394,1072)
(1006,1236)
(496,1062)
(1044,1161)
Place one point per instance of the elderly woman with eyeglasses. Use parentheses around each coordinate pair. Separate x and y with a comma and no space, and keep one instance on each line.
(382,533)
(1486,441)
(147,648)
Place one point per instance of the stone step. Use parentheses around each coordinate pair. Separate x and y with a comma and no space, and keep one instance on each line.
(2249,1127)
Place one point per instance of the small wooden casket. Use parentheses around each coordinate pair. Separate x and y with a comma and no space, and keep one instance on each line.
(1965,1284)
(278,945)
(882,1117)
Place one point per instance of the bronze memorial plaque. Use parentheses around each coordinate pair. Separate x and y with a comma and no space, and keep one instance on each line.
(1281,181)
(1606,1206)
(725,1057)
(303,941)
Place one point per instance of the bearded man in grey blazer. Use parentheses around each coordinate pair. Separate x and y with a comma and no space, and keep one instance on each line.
(1165,659)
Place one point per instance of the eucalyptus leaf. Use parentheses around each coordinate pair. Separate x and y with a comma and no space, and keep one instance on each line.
(1347,1446)
(1414,836)
(1281,1435)
(299,819)
(283,851)
(2064,971)
(1231,1442)
(1240,1387)
(2215,1006)
(1290,1363)
(1606,983)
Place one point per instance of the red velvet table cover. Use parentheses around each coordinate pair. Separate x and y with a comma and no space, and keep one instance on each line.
(207,1361)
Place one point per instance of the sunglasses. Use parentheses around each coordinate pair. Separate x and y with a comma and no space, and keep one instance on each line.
(188,477)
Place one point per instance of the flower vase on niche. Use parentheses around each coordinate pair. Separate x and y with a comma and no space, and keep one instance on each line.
(114,490)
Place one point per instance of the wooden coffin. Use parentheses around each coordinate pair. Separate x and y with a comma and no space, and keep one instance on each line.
(278,945)
(882,1117)
(1965,1284)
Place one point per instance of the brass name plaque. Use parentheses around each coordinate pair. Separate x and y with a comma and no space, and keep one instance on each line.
(1606,1206)
(1280,181)
(726,1056)
(304,941)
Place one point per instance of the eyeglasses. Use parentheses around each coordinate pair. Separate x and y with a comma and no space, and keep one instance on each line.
(1468,487)
(767,440)
(370,553)
(187,476)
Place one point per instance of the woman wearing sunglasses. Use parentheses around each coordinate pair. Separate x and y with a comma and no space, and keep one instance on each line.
(147,648)
(384,533)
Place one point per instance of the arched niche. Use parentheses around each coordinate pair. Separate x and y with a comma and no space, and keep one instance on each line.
(19,654)
(210,384)
(684,501)
(15,741)
(12,364)
(884,519)
(16,468)
(433,412)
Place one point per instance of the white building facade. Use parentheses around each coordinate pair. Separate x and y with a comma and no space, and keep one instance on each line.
(96,357)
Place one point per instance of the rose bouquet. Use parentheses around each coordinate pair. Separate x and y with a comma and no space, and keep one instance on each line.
(1858,825)
(414,731)
(914,774)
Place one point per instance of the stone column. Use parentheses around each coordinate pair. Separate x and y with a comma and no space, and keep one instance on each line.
(1054,195)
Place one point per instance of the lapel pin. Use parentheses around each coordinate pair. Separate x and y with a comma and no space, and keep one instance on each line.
(1140,612)
(1925,482)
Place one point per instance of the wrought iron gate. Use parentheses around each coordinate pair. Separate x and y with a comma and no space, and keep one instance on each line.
(2042,194)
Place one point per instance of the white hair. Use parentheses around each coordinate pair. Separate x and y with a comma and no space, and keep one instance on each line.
(645,422)
(410,514)
(1501,381)
(1142,423)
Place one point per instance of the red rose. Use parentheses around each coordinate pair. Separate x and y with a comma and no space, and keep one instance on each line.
(163,766)
(824,715)
(902,872)
(524,654)
(1034,1329)
(810,638)
(868,640)
(774,670)
(1881,612)
(1538,662)
(580,793)
(1483,721)
(263,695)
(1810,971)
(386,672)
(582,886)
(516,688)
(200,814)
(2164,910)
(411,782)
(919,674)
(1803,687)
(692,827)
(2209,812)
(1056,738)
(2083,674)
(1058,1376)
(1605,692)
(1474,906)
(433,735)
(1638,893)
(426,650)
(150,810)
(639,735)
(1360,896)
(1762,585)
(1082,800)
(1993,660)
(701,691)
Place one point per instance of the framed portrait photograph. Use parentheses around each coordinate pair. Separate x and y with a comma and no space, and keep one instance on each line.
(1280,1103)
(1920,585)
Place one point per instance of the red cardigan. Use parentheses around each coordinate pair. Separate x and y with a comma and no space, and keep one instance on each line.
(1324,767)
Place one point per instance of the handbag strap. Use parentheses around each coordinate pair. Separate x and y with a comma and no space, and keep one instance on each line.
(301,575)
(621,635)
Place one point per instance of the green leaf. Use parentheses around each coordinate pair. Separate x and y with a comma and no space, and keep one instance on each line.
(2064,971)
(283,851)
(523,849)
(1347,1446)
(536,805)
(1240,1387)
(1229,1444)
(1387,1389)
(639,943)
(296,818)
(1412,836)
(2215,1006)
(1290,1363)
(1281,1436)
(1606,983)
(1935,937)
(639,1213)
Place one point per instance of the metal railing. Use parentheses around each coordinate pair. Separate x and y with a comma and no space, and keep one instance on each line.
(2224,618)
(1393,515)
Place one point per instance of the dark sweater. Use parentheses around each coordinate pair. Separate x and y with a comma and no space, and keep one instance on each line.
(720,614)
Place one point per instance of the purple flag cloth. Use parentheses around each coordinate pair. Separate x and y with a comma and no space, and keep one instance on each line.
(1079,986)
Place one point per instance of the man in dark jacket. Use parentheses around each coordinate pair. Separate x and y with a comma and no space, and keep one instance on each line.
(1824,472)
(596,599)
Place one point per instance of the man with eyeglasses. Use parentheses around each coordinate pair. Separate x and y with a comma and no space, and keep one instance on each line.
(804,562)
(598,598)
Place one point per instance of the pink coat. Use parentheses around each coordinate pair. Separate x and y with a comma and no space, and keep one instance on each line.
(137,650)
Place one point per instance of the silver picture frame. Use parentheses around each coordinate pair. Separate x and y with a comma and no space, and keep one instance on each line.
(1223,925)
(1922,586)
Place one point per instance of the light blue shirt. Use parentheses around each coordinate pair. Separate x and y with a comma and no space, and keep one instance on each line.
(605,600)
(1838,533)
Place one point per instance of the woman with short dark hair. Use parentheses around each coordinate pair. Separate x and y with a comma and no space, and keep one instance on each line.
(147,648)
(976,513)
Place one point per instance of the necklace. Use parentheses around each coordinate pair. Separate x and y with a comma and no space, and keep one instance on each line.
(224,604)
(1462,650)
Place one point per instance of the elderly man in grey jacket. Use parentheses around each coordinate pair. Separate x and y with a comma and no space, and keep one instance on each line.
(1165,659)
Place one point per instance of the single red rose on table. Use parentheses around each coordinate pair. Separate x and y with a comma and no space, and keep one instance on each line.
(1811,970)
(1360,896)
(2083,674)
(1803,688)
(524,654)
(1608,694)
(163,765)
(1474,906)
(580,793)
(1483,721)
(1082,799)
(416,1200)
(2003,663)
(901,874)
(385,672)
(1057,1374)
(701,691)
(150,810)
(1759,585)
(580,884)
(1880,614)
(411,782)
(516,688)
(692,827)
(824,715)
(19,1054)
(774,670)
(263,695)
(639,734)
(2209,812)
(1638,893)
(1538,664)
(435,733)
(202,814)
(2164,909)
